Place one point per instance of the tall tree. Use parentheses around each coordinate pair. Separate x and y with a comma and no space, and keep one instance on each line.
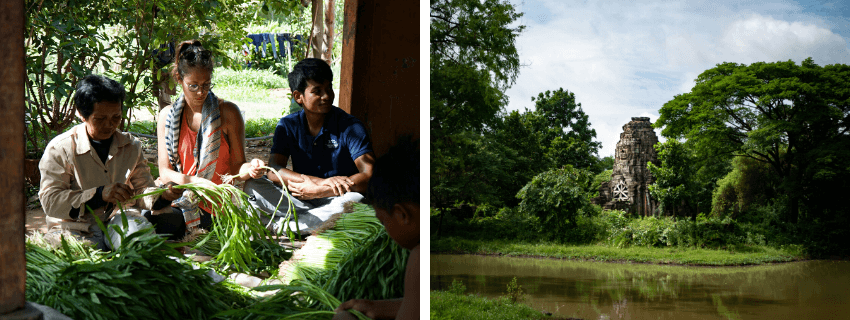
(513,150)
(786,115)
(566,127)
(555,134)
(473,61)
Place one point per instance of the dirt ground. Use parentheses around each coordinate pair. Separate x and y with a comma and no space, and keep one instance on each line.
(35,219)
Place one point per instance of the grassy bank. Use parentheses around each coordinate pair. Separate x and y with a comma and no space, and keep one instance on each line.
(733,256)
(447,305)
(257,127)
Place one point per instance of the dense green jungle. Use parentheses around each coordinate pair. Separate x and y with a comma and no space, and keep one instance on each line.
(756,156)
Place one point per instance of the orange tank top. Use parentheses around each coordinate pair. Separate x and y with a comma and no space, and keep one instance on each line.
(185,149)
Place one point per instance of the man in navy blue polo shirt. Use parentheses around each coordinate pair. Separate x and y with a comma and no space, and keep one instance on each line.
(331,154)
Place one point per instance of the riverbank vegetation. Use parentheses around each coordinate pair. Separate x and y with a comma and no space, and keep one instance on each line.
(613,236)
(456,304)
(754,165)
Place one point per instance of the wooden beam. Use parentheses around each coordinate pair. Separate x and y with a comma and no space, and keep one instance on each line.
(379,80)
(12,260)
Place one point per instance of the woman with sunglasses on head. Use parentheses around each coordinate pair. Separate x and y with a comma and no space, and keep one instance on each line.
(201,138)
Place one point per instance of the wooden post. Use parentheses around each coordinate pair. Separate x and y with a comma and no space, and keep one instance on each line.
(12,252)
(379,80)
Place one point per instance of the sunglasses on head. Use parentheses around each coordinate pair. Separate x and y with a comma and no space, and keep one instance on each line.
(194,49)
(191,54)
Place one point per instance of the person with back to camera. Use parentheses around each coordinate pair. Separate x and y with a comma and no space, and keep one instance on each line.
(394,194)
(331,154)
(201,138)
(93,166)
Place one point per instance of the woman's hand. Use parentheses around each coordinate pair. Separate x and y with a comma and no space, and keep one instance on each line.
(256,171)
(172,193)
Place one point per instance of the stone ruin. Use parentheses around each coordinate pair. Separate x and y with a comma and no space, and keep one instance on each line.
(628,188)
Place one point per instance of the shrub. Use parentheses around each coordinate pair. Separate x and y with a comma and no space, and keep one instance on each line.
(457,287)
(557,197)
(508,224)
(600,178)
(747,185)
(143,126)
(514,293)
(264,79)
(590,228)
(668,231)
(260,127)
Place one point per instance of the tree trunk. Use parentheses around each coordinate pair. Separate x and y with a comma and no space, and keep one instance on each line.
(330,17)
(317,33)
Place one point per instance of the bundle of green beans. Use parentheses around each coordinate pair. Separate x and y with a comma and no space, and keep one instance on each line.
(354,258)
(373,271)
(325,249)
(269,254)
(236,223)
(141,279)
(299,300)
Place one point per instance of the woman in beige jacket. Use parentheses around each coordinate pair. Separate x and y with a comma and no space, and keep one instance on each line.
(89,169)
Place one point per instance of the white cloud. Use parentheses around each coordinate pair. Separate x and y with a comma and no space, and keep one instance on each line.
(628,60)
(759,38)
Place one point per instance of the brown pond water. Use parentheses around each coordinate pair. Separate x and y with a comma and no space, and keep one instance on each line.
(600,290)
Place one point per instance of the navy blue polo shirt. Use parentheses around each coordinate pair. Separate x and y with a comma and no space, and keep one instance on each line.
(331,153)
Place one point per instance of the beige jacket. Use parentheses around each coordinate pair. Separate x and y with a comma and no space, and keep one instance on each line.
(71,171)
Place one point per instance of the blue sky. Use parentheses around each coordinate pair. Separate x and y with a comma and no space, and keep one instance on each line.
(625,59)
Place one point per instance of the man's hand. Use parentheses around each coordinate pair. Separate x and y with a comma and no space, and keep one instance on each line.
(367,307)
(305,188)
(116,192)
(255,171)
(172,193)
(337,184)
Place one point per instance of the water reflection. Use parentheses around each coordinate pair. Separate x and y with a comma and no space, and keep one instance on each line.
(597,290)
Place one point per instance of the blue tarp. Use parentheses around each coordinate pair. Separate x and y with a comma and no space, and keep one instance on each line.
(277,40)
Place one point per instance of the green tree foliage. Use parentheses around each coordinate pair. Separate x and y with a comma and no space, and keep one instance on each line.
(68,39)
(749,184)
(603,164)
(470,168)
(493,166)
(557,197)
(473,61)
(560,128)
(599,179)
(683,183)
(63,44)
(146,25)
(556,133)
(791,117)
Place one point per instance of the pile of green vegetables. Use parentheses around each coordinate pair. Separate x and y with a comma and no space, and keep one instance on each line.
(353,258)
(145,278)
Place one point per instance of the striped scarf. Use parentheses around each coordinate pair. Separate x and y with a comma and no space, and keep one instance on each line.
(207,145)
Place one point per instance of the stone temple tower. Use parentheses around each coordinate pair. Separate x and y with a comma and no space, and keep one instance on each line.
(628,189)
